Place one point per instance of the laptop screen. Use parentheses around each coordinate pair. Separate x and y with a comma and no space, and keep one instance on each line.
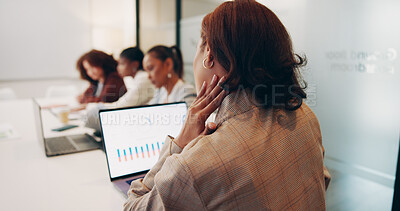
(133,137)
(38,120)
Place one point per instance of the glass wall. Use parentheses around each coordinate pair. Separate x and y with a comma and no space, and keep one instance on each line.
(157,23)
(354,79)
(113,25)
(193,12)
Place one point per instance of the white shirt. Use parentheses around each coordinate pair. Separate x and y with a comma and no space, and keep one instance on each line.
(181,92)
(99,89)
(139,91)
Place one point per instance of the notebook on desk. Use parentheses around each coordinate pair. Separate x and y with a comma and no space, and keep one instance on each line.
(133,138)
(64,144)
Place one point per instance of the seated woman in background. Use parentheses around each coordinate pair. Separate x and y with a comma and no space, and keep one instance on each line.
(140,89)
(165,68)
(100,69)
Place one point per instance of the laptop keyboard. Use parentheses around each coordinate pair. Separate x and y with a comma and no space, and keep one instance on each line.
(61,144)
(80,139)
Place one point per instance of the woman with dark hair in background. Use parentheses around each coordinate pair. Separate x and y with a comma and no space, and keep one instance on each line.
(140,90)
(100,69)
(264,152)
(165,68)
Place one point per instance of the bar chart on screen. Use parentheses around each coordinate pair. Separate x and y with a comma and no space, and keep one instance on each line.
(146,151)
(134,137)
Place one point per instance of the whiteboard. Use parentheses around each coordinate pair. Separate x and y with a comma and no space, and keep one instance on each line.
(42,38)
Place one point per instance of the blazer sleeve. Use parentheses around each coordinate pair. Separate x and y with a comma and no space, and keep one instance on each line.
(113,89)
(168,185)
(87,95)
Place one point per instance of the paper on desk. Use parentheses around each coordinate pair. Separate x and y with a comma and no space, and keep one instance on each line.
(7,131)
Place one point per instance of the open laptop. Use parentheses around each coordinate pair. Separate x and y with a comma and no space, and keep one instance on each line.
(64,144)
(133,138)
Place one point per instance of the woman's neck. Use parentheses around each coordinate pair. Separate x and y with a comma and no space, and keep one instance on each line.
(169,86)
(133,72)
(101,80)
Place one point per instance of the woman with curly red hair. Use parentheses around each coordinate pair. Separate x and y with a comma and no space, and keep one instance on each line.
(264,151)
(100,69)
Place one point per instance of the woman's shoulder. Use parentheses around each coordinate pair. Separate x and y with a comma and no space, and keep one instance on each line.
(113,80)
(311,118)
(304,114)
(253,125)
(236,139)
(187,84)
(141,74)
(186,93)
(142,77)
(208,155)
(157,96)
(114,76)
(186,88)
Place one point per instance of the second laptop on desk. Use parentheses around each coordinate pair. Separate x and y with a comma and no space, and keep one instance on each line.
(64,144)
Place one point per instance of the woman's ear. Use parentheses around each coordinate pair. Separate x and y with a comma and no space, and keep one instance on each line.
(209,58)
(169,64)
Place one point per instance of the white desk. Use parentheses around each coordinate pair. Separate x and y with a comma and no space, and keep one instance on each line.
(31,181)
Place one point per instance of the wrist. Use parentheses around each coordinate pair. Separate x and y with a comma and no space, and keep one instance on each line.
(178,142)
(173,147)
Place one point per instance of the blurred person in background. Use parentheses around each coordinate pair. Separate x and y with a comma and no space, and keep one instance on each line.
(140,90)
(100,70)
(165,68)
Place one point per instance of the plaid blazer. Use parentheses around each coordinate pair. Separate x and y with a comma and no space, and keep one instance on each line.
(257,159)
